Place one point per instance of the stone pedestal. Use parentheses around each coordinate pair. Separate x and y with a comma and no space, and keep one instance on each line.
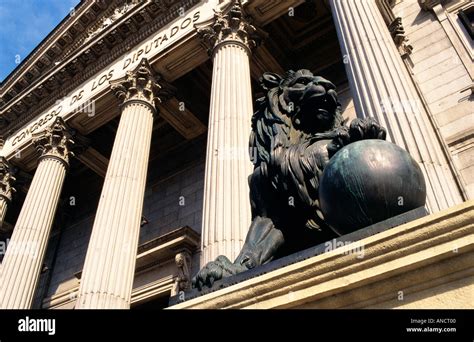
(109,268)
(23,260)
(427,263)
(226,212)
(382,88)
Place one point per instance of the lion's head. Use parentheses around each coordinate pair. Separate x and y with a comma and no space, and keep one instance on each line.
(297,107)
(310,101)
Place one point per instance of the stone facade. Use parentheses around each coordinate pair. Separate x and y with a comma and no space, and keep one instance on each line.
(162,209)
(441,64)
(141,113)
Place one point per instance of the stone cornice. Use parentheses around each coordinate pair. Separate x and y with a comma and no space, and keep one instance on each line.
(85,11)
(88,61)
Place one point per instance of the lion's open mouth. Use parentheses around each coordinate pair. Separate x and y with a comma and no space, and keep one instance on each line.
(318,102)
(317,111)
(315,103)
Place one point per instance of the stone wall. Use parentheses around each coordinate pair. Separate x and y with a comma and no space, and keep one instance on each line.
(442,68)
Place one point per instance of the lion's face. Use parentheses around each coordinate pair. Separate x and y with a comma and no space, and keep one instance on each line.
(310,101)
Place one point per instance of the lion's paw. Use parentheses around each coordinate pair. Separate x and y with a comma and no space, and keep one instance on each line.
(215,270)
(366,128)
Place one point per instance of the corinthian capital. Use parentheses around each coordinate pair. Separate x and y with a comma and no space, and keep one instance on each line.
(6,179)
(142,84)
(231,25)
(55,141)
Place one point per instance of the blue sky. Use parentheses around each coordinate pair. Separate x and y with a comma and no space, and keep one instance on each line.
(24,24)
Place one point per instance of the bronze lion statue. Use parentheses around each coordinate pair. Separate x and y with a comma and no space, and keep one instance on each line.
(296,128)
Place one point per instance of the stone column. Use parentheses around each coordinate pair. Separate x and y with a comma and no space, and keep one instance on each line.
(226,212)
(6,187)
(24,257)
(109,269)
(382,88)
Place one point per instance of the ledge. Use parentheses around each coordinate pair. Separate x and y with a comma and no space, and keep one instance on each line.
(158,251)
(165,247)
(425,263)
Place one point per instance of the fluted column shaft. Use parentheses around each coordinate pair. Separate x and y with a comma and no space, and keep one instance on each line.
(109,268)
(382,88)
(226,207)
(3,209)
(226,215)
(23,260)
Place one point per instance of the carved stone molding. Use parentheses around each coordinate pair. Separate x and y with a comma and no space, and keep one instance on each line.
(108,20)
(428,5)
(231,25)
(397,32)
(395,27)
(142,84)
(183,280)
(55,141)
(6,179)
